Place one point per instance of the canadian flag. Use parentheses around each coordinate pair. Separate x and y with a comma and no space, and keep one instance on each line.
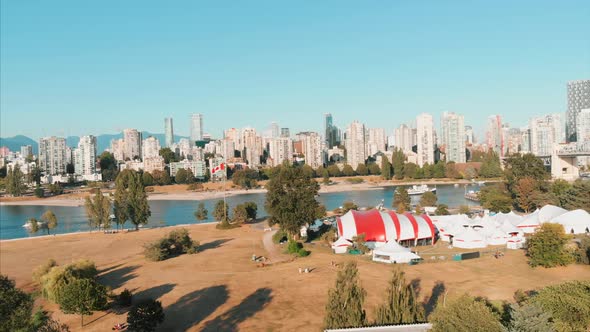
(219,168)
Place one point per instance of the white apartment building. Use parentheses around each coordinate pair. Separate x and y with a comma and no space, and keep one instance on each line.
(52,155)
(425,139)
(198,167)
(132,141)
(583,125)
(453,136)
(376,141)
(150,147)
(85,156)
(495,135)
(169,132)
(578,98)
(312,149)
(280,150)
(118,149)
(196,128)
(152,164)
(403,138)
(355,143)
(544,132)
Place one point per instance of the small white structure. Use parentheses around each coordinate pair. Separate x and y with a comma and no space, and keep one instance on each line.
(469,239)
(393,252)
(341,245)
(574,222)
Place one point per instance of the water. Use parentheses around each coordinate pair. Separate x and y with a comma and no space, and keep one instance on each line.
(165,213)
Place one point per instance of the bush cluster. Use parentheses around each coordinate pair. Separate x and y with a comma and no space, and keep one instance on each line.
(53,278)
(176,243)
(295,247)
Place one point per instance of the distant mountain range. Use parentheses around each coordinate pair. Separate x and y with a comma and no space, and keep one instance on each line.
(103,142)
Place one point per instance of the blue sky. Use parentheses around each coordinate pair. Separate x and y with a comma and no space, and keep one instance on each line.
(80,67)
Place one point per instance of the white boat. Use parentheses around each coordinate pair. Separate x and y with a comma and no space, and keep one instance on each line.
(421,189)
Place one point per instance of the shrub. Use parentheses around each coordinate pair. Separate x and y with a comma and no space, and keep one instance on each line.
(583,254)
(42,270)
(280,236)
(303,253)
(293,247)
(125,298)
(195,187)
(176,243)
(53,282)
(355,180)
(39,192)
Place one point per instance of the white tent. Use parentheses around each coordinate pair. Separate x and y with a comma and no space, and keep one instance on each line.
(530,222)
(515,242)
(341,245)
(511,217)
(510,230)
(548,212)
(497,237)
(574,222)
(393,252)
(469,239)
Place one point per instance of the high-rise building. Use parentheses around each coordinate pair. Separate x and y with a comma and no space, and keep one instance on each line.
(578,98)
(85,156)
(469,137)
(169,132)
(150,147)
(252,146)
(118,149)
(227,149)
(525,140)
(355,143)
(544,132)
(285,133)
(132,140)
(495,135)
(376,141)
(52,155)
(196,128)
(583,125)
(26,151)
(453,136)
(403,138)
(234,135)
(274,130)
(311,146)
(280,150)
(425,139)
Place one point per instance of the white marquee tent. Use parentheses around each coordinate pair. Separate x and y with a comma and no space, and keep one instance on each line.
(393,252)
(574,222)
(341,245)
(469,239)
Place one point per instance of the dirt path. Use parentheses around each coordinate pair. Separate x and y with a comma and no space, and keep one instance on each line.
(274,254)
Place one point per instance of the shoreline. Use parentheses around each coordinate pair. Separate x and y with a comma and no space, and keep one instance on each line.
(336,187)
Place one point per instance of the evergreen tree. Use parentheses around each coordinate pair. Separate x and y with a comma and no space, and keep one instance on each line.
(529,317)
(201,213)
(334,171)
(326,179)
(98,210)
(401,198)
(145,316)
(345,300)
(374,169)
(386,168)
(15,181)
(490,167)
(240,214)
(15,307)
(290,200)
(82,296)
(220,212)
(401,303)
(138,208)
(348,171)
(121,197)
(362,170)
(398,159)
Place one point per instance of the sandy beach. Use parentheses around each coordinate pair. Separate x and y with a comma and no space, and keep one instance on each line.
(220,288)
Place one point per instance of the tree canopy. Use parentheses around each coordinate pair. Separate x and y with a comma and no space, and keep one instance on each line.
(401,199)
(345,301)
(290,200)
(82,296)
(145,316)
(464,313)
(401,304)
(546,247)
(98,210)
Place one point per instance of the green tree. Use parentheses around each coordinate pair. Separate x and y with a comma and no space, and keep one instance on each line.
(546,247)
(240,215)
(442,210)
(121,198)
(245,178)
(220,212)
(567,303)
(162,178)
(147,179)
(427,170)
(386,168)
(15,307)
(412,171)
(108,166)
(362,170)
(428,199)
(496,198)
(334,171)
(464,209)
(168,155)
(464,314)
(374,169)
(401,303)
(401,198)
(145,316)
(201,213)
(251,210)
(307,170)
(50,220)
(519,166)
(451,171)
(345,301)
(138,209)
(490,167)
(82,297)
(15,181)
(326,179)
(290,200)
(348,171)
(181,176)
(438,171)
(529,317)
(348,205)
(578,196)
(398,160)
(98,210)
(34,225)
(57,277)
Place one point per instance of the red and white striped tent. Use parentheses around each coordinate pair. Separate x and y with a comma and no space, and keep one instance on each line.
(381,227)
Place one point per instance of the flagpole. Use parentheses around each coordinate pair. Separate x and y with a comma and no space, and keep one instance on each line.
(224,203)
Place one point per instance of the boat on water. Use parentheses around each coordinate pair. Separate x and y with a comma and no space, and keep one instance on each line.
(421,189)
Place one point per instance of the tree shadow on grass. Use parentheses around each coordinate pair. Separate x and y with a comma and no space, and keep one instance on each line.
(415,284)
(117,277)
(437,291)
(192,308)
(230,320)
(154,292)
(213,244)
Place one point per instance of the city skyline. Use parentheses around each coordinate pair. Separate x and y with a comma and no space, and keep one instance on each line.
(293,70)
